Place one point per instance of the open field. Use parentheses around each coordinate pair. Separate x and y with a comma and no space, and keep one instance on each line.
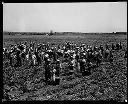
(59,39)
(106,82)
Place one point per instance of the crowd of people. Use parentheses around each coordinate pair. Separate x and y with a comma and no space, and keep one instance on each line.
(79,58)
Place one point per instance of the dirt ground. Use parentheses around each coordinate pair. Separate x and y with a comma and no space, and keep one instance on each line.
(107,82)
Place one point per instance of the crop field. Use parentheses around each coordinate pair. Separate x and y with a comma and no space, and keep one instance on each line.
(107,82)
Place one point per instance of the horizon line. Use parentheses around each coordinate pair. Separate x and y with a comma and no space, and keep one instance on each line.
(65,32)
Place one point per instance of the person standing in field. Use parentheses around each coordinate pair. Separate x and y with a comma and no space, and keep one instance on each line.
(47,70)
(38,58)
(56,72)
(117,46)
(120,45)
(111,57)
(34,59)
(18,58)
(82,63)
(125,55)
(107,48)
(113,46)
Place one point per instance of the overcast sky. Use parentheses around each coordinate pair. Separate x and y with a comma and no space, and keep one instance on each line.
(65,17)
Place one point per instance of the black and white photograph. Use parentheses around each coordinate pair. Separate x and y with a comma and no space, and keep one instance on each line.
(70,51)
